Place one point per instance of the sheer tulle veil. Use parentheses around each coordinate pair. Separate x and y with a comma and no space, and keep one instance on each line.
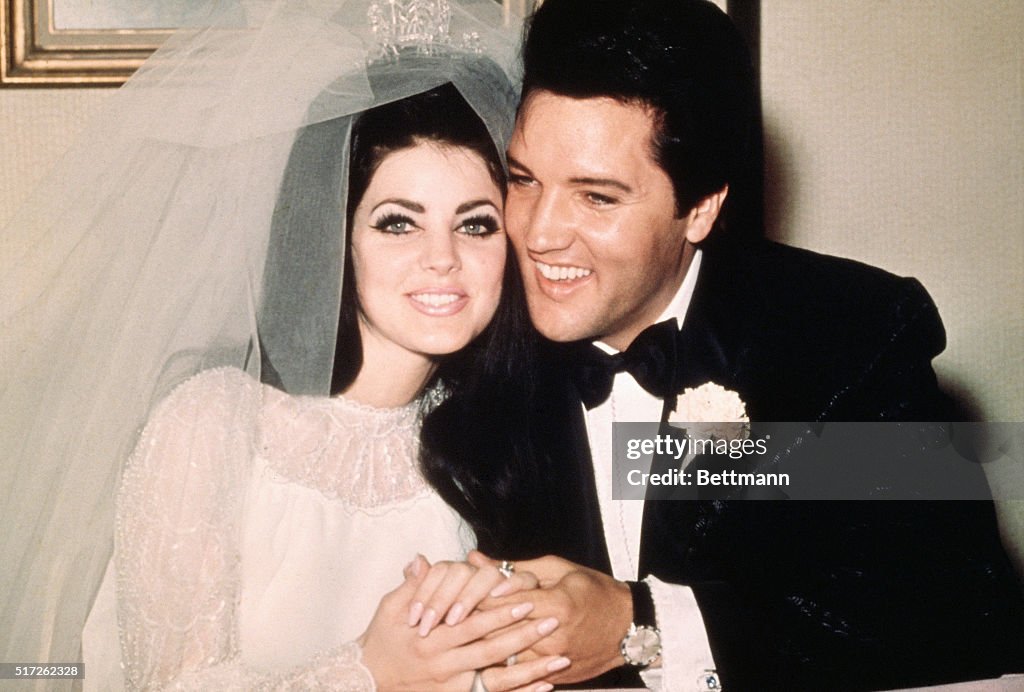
(152,262)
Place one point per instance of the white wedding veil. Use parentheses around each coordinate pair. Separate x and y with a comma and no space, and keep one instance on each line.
(151,261)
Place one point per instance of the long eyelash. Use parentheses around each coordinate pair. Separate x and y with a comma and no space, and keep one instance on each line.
(485,220)
(383,222)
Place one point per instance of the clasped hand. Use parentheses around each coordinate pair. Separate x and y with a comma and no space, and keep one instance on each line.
(593,610)
(431,634)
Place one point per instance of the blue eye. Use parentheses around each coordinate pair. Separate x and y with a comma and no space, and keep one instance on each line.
(397,224)
(479,225)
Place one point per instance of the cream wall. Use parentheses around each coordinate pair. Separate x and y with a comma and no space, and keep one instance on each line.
(36,127)
(895,135)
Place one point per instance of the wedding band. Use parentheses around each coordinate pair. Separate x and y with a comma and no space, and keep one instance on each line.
(511,660)
(478,683)
(507,568)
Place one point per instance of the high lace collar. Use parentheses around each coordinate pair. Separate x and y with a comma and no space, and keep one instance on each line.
(397,415)
(364,456)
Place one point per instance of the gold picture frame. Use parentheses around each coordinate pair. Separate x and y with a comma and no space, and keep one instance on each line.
(34,52)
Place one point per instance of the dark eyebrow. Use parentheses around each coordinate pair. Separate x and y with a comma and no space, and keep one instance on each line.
(469,206)
(411,206)
(605,182)
(582,180)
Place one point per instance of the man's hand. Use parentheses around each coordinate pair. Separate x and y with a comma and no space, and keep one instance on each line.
(593,609)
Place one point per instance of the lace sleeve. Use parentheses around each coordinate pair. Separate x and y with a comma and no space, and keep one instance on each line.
(177,549)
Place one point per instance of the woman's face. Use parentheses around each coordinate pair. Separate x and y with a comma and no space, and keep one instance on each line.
(428,250)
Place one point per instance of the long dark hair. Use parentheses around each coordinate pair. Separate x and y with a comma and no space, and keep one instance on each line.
(488,381)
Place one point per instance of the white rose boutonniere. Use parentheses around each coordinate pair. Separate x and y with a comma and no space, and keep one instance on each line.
(711,411)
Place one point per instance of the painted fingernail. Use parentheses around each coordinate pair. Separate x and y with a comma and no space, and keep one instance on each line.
(415,611)
(521,610)
(544,687)
(558,664)
(547,626)
(455,614)
(428,622)
(502,588)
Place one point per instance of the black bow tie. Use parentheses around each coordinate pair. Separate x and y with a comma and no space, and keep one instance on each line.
(650,359)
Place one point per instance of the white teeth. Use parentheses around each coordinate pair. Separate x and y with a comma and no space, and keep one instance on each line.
(435,300)
(561,273)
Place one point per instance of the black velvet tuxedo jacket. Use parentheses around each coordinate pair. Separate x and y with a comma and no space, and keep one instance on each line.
(796,594)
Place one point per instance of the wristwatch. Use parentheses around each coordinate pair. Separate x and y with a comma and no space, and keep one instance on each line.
(642,644)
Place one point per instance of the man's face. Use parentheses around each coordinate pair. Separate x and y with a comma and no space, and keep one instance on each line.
(593,219)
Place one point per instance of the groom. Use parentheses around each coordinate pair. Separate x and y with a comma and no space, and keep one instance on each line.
(632,135)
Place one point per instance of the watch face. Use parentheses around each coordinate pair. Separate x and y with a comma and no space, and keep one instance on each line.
(643,646)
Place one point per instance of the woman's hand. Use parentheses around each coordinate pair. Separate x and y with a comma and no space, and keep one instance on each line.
(400,659)
(450,591)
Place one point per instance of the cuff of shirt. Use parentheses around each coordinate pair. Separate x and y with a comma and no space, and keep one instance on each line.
(686,660)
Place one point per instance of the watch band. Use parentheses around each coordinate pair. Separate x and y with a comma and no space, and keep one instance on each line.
(642,644)
(643,604)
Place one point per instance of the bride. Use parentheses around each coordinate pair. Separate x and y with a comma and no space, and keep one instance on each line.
(294,267)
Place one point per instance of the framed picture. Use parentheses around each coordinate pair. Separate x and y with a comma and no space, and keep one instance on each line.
(77,42)
(102,42)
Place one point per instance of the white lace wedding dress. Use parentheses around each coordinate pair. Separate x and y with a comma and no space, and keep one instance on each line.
(251,556)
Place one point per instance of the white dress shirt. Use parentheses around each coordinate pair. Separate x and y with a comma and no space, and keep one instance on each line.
(686,653)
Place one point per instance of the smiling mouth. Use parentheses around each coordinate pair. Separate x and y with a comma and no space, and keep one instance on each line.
(561,273)
(435,300)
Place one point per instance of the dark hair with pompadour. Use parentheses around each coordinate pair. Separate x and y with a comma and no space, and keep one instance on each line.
(683,59)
